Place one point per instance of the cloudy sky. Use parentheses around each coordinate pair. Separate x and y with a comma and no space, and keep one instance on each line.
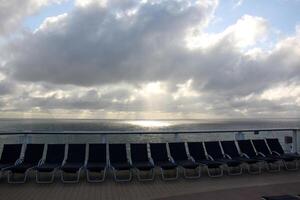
(150,58)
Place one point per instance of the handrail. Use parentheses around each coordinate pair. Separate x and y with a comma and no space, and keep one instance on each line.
(145,132)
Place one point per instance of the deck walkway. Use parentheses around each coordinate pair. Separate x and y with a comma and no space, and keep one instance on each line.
(243,187)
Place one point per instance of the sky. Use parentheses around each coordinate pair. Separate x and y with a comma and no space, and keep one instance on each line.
(149,59)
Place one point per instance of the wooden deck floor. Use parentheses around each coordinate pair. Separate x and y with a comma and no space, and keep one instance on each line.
(227,187)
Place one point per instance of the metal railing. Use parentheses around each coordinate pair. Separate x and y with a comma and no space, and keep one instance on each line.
(238,133)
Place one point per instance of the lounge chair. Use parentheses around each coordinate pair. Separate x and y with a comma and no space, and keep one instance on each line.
(249,151)
(230,149)
(74,162)
(263,149)
(197,152)
(214,151)
(32,157)
(181,158)
(160,157)
(277,149)
(10,154)
(141,161)
(119,161)
(53,161)
(97,162)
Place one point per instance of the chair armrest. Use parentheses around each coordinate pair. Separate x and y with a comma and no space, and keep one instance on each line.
(209,157)
(19,161)
(151,160)
(41,162)
(260,153)
(129,161)
(191,158)
(64,162)
(171,159)
(227,156)
(275,152)
(244,155)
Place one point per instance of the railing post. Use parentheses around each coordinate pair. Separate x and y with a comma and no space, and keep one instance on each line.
(239,136)
(296,140)
(177,137)
(104,138)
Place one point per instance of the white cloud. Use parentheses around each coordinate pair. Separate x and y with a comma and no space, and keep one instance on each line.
(246,32)
(13,12)
(130,59)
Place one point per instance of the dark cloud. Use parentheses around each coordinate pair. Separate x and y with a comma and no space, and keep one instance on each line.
(93,46)
(80,60)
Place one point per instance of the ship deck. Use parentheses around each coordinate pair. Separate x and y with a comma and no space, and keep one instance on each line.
(243,187)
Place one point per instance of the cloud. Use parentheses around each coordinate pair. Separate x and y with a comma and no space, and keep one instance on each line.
(13,12)
(238,3)
(151,56)
(94,46)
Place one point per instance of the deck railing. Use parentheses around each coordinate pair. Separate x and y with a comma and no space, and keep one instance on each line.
(238,134)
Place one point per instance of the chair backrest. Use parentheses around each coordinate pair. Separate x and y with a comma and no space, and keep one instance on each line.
(246,147)
(275,145)
(33,153)
(159,152)
(213,149)
(139,152)
(117,153)
(196,150)
(177,151)
(10,153)
(230,148)
(97,153)
(76,153)
(55,153)
(261,146)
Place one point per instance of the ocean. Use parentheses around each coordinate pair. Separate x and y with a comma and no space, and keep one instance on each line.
(16,125)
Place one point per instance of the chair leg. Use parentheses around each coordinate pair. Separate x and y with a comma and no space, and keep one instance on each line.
(271,169)
(117,179)
(151,175)
(76,180)
(165,178)
(291,168)
(258,171)
(95,180)
(231,173)
(215,175)
(197,173)
(11,178)
(39,180)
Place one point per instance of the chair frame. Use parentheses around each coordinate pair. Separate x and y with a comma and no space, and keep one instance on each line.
(10,175)
(16,162)
(139,172)
(220,174)
(205,166)
(285,163)
(243,155)
(269,166)
(116,171)
(163,171)
(197,170)
(88,173)
(258,164)
(226,156)
(78,173)
(52,173)
(96,180)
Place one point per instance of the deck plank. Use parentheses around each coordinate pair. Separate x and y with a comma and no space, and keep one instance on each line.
(109,190)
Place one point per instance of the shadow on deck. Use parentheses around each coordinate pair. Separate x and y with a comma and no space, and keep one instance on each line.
(227,187)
